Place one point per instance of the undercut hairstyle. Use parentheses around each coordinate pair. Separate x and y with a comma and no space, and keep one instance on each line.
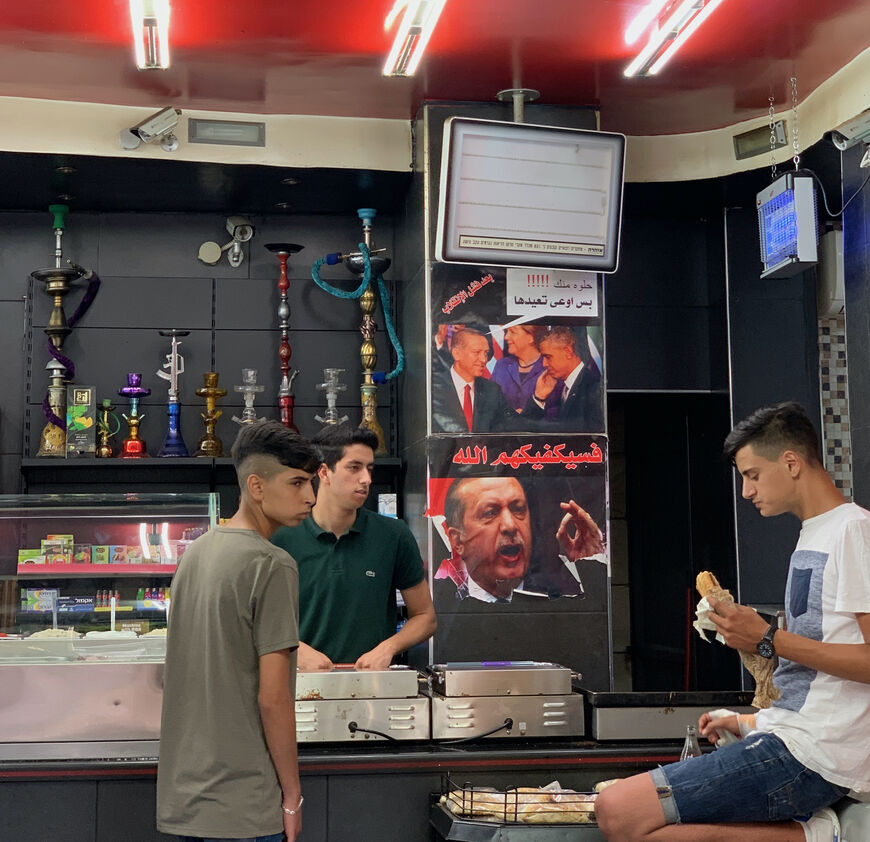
(333,440)
(771,430)
(265,448)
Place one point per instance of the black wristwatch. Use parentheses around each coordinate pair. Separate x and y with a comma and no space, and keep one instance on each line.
(765,646)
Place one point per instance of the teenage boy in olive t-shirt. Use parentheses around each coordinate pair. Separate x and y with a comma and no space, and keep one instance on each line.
(228,766)
(351,562)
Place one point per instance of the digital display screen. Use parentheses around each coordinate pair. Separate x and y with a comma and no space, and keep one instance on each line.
(514,194)
(779,227)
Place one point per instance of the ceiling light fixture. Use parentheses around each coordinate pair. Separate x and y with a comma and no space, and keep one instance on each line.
(643,19)
(150,21)
(669,32)
(412,35)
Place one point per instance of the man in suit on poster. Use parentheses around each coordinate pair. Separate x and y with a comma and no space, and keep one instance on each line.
(463,400)
(569,367)
(489,527)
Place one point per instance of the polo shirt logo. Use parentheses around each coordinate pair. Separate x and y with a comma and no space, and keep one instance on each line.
(370,573)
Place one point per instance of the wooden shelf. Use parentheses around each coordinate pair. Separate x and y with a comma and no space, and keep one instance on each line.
(93,571)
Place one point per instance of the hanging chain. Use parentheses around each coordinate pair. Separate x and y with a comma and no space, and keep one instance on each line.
(794,130)
(771,113)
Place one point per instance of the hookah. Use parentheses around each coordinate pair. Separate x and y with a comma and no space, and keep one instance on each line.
(368,262)
(332,387)
(173,444)
(286,399)
(61,369)
(210,444)
(105,433)
(249,389)
(133,447)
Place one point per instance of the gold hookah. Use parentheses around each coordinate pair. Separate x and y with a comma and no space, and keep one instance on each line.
(57,280)
(210,444)
(368,300)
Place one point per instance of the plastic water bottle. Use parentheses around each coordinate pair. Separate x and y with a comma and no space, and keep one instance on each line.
(691,748)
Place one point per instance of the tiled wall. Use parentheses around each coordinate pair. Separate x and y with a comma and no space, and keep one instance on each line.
(833,385)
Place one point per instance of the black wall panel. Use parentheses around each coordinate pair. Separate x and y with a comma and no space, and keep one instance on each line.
(152,279)
(774,357)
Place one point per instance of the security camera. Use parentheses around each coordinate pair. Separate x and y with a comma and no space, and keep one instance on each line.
(240,229)
(852,131)
(158,126)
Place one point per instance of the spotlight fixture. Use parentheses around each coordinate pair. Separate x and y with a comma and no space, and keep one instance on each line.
(412,34)
(150,22)
(669,31)
(158,126)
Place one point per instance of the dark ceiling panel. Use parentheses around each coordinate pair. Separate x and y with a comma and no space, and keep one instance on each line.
(32,182)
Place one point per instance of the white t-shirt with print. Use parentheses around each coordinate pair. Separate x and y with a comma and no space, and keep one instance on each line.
(823,720)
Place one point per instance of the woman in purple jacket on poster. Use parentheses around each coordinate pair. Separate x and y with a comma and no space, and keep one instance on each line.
(518,371)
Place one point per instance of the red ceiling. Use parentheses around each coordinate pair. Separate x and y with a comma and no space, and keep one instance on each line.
(324,57)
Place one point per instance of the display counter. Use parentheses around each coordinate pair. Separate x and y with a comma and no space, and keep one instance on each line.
(85,592)
(379,792)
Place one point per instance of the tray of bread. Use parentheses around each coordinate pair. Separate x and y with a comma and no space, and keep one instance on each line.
(525,805)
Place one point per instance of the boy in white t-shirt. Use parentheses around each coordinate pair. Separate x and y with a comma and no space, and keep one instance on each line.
(808,750)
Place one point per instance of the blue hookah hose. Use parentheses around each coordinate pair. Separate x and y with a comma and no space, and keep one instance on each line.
(334,258)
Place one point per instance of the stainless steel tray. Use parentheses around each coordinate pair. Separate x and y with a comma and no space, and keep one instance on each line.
(533,716)
(501,678)
(656,716)
(348,683)
(327,720)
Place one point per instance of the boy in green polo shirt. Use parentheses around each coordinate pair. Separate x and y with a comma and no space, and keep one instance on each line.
(351,562)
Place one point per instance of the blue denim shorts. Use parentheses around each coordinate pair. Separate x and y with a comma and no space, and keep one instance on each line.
(754,780)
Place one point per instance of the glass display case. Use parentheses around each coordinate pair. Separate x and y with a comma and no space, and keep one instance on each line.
(85,591)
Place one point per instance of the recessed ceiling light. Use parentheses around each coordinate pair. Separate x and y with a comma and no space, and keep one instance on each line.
(65,169)
(226,132)
(282,205)
(290,181)
(65,197)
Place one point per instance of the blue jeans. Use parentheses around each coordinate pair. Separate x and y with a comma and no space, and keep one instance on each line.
(275,837)
(754,780)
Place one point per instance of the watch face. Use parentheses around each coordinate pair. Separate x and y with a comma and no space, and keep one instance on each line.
(765,648)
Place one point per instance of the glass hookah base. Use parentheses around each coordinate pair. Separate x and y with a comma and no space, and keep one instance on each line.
(52,442)
(133,449)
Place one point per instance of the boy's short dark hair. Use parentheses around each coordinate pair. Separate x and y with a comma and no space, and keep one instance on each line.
(772,429)
(277,443)
(334,439)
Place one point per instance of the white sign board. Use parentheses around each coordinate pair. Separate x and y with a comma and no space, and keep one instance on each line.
(550,292)
(520,195)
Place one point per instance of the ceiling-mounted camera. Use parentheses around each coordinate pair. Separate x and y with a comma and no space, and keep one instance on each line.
(241,230)
(158,126)
(852,131)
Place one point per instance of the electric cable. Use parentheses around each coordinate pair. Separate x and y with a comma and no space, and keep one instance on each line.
(354,728)
(505,726)
(825,197)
